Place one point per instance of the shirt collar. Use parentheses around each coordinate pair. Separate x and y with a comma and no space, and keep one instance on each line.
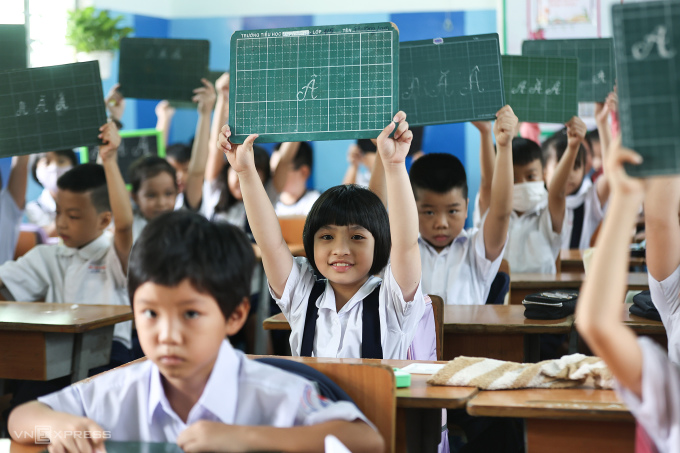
(221,403)
(91,250)
(327,299)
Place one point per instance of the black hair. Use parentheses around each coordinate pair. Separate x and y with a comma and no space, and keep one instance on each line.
(350,204)
(525,151)
(87,178)
(227,200)
(148,167)
(217,258)
(304,155)
(593,136)
(439,173)
(561,146)
(366,145)
(35,158)
(180,152)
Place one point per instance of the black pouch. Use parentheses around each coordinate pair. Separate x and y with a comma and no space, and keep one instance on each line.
(555,304)
(644,307)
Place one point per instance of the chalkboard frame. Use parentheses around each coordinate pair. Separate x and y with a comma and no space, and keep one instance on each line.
(85,157)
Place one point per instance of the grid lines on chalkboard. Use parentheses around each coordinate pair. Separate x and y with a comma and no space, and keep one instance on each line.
(541,89)
(595,62)
(50,108)
(321,85)
(647,43)
(456,80)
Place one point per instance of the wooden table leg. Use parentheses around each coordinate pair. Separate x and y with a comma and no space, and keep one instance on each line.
(582,436)
(423,430)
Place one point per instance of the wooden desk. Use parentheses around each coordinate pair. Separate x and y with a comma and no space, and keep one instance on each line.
(54,340)
(496,331)
(564,420)
(522,285)
(572,260)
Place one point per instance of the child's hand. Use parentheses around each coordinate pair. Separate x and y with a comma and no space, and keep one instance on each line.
(240,157)
(78,442)
(213,436)
(111,138)
(205,96)
(505,127)
(484,127)
(394,150)
(619,180)
(164,111)
(576,132)
(222,85)
(601,112)
(612,101)
(115,102)
(354,155)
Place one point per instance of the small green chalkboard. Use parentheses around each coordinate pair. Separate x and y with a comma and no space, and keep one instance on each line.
(647,46)
(14,50)
(134,144)
(595,63)
(314,83)
(156,68)
(450,80)
(49,108)
(541,89)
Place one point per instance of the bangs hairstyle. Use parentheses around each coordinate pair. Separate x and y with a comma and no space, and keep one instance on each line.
(304,155)
(180,152)
(147,167)
(439,173)
(227,200)
(346,205)
(217,258)
(68,153)
(525,151)
(561,146)
(87,178)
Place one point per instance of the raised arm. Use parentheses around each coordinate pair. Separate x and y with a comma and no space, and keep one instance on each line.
(500,203)
(598,312)
(276,256)
(18,179)
(164,114)
(193,190)
(602,119)
(287,153)
(403,213)
(215,156)
(557,191)
(118,194)
(487,159)
(353,158)
(377,183)
(662,228)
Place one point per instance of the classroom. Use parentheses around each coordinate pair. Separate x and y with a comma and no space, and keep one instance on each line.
(434,226)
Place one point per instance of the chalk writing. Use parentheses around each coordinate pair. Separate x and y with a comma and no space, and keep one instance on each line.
(555,89)
(474,74)
(412,91)
(162,54)
(599,78)
(60,106)
(642,49)
(536,89)
(308,89)
(521,88)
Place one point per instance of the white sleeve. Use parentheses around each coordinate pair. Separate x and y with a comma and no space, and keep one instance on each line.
(666,299)
(313,409)
(28,277)
(115,268)
(485,269)
(293,301)
(658,411)
(37,215)
(553,239)
(68,400)
(10,221)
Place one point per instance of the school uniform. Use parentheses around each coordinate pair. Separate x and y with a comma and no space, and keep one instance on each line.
(236,214)
(582,216)
(10,222)
(658,411)
(460,274)
(666,298)
(339,334)
(138,224)
(300,207)
(532,244)
(92,274)
(130,402)
(43,210)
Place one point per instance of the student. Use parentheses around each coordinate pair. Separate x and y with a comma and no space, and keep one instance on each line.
(349,239)
(459,265)
(361,159)
(155,184)
(12,202)
(295,198)
(189,283)
(90,266)
(179,156)
(46,168)
(648,381)
(536,222)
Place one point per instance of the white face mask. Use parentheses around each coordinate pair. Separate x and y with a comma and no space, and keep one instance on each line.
(528,195)
(48,175)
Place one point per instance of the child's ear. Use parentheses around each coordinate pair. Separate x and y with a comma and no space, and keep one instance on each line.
(305,171)
(238,317)
(104,219)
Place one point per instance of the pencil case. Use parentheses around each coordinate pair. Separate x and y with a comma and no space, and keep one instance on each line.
(555,304)
(644,306)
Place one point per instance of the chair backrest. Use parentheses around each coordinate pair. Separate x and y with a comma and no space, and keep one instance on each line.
(291,228)
(438,309)
(500,287)
(27,240)
(505,267)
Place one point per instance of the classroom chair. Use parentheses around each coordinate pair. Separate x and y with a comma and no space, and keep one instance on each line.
(291,228)
(438,309)
(29,236)
(499,293)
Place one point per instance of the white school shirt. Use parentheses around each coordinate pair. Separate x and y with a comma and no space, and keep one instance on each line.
(138,224)
(43,210)
(593,212)
(55,273)
(666,298)
(10,222)
(658,411)
(339,334)
(236,214)
(460,274)
(300,207)
(532,244)
(130,402)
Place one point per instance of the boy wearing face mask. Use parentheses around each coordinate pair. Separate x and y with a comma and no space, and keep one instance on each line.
(46,169)
(535,232)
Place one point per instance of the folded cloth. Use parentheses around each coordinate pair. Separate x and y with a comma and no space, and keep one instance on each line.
(490,374)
